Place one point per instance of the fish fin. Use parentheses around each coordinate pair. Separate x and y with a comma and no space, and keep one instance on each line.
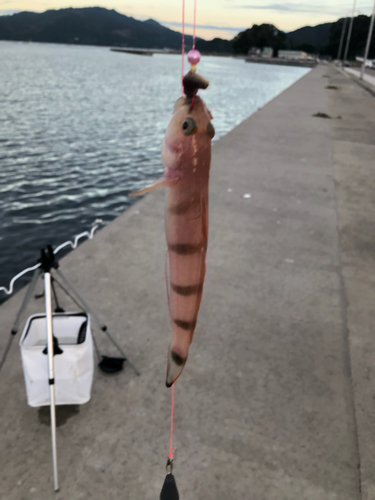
(159,183)
(175,366)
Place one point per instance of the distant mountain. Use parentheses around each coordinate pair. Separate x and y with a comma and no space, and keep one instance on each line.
(310,39)
(89,26)
(358,39)
(215,46)
(316,36)
(325,38)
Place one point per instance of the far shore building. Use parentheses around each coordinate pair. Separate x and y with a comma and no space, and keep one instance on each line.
(254,52)
(267,52)
(292,54)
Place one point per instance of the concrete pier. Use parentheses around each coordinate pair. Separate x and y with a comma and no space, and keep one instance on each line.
(369,78)
(276,401)
(280,61)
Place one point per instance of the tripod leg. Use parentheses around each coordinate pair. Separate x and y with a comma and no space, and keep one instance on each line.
(58,308)
(51,374)
(121,351)
(6,351)
(20,314)
(81,307)
(82,301)
(25,301)
(101,326)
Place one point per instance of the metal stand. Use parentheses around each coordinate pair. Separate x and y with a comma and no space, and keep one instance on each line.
(20,314)
(47,264)
(368,43)
(51,374)
(51,379)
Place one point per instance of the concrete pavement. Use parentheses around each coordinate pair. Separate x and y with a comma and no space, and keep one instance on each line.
(353,158)
(368,82)
(276,399)
(369,78)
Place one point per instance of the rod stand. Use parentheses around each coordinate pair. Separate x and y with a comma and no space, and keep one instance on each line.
(47,259)
(51,372)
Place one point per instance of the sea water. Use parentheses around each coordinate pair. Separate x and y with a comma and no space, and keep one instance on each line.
(81,127)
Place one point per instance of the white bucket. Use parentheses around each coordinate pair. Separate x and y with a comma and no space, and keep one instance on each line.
(74,367)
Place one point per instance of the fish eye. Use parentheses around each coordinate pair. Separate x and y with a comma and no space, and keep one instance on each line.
(189,126)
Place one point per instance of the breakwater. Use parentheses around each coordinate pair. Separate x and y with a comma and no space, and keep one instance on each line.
(300,63)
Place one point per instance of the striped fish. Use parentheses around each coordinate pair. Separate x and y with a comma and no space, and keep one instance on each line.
(186,154)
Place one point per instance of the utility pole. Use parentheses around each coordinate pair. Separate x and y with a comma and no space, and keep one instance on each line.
(342,38)
(369,36)
(349,34)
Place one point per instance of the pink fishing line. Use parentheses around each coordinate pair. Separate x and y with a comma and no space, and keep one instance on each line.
(195,16)
(171,449)
(171,440)
(183,46)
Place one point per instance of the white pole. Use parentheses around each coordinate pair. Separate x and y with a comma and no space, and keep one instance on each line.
(369,36)
(51,374)
(342,38)
(349,34)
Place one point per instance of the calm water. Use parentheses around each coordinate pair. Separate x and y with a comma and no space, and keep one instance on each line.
(81,127)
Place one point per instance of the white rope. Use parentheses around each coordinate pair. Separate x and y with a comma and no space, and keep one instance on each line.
(73,244)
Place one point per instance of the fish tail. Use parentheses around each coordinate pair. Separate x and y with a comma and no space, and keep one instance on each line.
(175,365)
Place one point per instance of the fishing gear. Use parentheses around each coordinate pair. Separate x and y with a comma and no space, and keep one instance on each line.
(55,325)
(188,190)
(47,263)
(169,490)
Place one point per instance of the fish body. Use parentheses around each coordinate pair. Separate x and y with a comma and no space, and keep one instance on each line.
(186,154)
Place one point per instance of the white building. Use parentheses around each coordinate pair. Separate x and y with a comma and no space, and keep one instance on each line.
(292,54)
(267,52)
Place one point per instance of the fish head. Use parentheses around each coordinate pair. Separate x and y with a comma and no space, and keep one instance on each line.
(188,134)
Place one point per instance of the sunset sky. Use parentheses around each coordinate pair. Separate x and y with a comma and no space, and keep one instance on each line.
(215,18)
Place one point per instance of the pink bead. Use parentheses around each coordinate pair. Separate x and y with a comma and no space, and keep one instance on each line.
(194,57)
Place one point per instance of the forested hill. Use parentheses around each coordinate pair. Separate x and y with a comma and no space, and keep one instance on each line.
(89,26)
(316,36)
(323,39)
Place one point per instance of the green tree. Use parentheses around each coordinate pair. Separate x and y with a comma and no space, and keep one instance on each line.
(264,35)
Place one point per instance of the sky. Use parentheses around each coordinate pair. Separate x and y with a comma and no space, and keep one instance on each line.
(215,18)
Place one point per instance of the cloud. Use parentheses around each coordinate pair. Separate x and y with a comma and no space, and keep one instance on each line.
(298,7)
(202,26)
(8,12)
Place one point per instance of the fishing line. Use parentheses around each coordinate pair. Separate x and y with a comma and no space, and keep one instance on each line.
(183,46)
(169,490)
(195,16)
(170,456)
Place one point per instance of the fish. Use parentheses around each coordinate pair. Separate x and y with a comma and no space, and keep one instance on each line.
(186,155)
